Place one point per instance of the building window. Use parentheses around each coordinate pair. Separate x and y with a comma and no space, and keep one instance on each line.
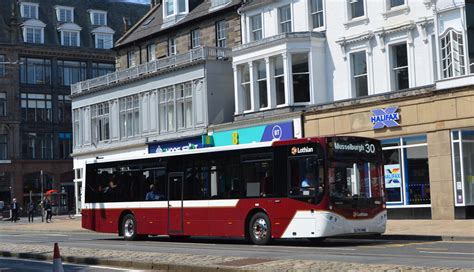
(169,7)
(400,66)
(166,105)
(3,146)
(129,117)
(104,41)
(76,127)
(35,71)
(279,77)
(64,109)
(396,3)
(184,103)
(284,19)
(151,52)
(256,27)
(131,58)
(29,10)
(36,108)
(33,35)
(99,18)
(300,70)
(3,104)
(174,7)
(172,46)
(65,145)
(65,14)
(100,122)
(101,69)
(38,145)
(221,34)
(262,83)
(71,72)
(359,74)
(69,38)
(463,161)
(2,66)
(317,13)
(356,8)
(245,87)
(452,54)
(195,38)
(407,180)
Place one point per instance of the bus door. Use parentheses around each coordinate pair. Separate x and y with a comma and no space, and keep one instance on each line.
(175,203)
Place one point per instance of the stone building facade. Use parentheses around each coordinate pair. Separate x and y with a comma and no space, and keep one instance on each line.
(45,46)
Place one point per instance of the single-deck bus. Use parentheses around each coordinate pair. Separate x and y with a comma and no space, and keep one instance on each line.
(304,188)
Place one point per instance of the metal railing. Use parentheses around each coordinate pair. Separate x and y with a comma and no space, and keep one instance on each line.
(280,37)
(197,54)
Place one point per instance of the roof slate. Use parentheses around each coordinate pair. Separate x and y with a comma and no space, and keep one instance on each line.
(47,14)
(152,23)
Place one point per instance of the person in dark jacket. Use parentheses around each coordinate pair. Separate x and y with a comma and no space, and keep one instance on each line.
(48,209)
(31,211)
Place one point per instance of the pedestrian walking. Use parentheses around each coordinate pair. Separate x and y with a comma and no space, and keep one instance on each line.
(14,209)
(49,210)
(31,211)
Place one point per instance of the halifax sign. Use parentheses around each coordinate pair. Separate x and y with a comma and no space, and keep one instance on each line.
(385,117)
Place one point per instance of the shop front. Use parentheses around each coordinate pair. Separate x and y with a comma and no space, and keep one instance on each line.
(428,145)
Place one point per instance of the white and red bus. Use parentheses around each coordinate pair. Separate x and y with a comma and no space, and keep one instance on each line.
(304,188)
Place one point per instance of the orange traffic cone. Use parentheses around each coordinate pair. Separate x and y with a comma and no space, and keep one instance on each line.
(57,263)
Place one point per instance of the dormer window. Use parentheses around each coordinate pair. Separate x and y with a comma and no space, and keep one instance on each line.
(70,34)
(65,14)
(98,17)
(33,31)
(175,7)
(29,10)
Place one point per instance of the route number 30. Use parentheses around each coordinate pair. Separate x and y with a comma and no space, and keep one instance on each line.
(369,148)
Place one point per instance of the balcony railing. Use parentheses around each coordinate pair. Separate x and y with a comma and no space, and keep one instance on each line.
(280,37)
(198,54)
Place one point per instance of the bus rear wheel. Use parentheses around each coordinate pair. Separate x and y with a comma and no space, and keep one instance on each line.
(129,228)
(260,229)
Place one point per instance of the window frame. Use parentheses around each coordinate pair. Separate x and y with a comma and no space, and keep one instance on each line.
(37,34)
(131,58)
(195,39)
(3,104)
(252,30)
(151,52)
(308,73)
(351,10)
(25,67)
(172,47)
(354,76)
(105,38)
(451,53)
(45,113)
(221,33)
(3,146)
(70,67)
(313,12)
(394,70)
(288,21)
(30,5)
(65,9)
(67,38)
(99,13)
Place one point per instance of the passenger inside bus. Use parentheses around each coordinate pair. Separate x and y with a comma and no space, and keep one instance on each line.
(153,194)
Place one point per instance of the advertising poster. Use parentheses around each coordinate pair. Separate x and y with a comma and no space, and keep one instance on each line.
(393,182)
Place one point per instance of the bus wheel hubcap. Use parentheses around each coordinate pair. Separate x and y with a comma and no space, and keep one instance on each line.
(260,229)
(129,228)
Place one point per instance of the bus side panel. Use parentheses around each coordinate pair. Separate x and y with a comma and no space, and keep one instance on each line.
(152,221)
(196,220)
(226,218)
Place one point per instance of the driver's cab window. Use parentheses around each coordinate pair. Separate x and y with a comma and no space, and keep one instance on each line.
(306,176)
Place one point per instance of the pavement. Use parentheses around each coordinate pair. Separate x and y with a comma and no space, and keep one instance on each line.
(435,230)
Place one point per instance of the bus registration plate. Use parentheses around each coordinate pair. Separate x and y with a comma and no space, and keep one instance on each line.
(359,230)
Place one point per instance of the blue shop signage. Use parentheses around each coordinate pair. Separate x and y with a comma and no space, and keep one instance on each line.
(387,117)
(189,144)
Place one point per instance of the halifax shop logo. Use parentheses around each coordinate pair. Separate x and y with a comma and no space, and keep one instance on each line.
(385,118)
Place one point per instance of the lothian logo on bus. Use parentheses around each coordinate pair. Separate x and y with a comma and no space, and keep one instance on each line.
(385,118)
(297,150)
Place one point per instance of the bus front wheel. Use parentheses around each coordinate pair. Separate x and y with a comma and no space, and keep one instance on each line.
(260,229)
(129,227)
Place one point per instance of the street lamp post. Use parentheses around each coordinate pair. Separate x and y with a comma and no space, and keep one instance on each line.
(42,204)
